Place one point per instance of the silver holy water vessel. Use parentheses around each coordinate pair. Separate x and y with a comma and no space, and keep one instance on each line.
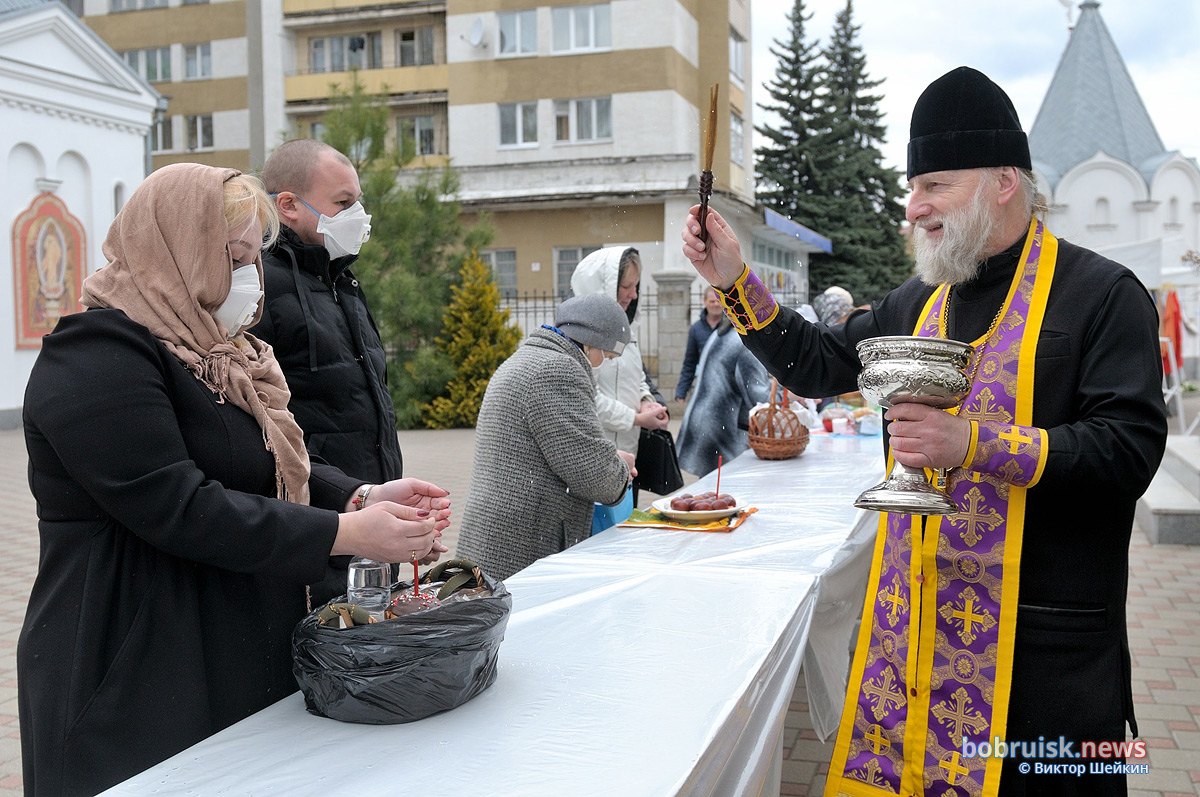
(924,370)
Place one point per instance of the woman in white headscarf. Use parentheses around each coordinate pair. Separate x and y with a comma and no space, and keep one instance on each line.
(180,516)
(625,398)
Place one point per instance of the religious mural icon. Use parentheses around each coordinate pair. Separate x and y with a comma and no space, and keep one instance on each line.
(49,264)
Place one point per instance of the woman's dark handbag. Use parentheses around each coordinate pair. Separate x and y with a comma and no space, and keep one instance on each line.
(408,668)
(657,463)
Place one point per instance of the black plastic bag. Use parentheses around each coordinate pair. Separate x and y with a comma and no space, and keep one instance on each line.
(404,669)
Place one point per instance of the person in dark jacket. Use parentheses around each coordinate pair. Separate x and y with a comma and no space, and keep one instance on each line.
(698,333)
(316,315)
(1005,620)
(180,514)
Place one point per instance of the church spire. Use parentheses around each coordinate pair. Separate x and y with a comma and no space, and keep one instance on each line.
(1091,105)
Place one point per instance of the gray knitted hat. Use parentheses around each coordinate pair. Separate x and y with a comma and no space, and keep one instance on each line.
(594,320)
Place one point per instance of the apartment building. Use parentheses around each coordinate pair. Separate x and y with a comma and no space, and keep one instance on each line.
(197,55)
(574,125)
(577,125)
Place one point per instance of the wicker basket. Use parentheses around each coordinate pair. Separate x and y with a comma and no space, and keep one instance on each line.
(775,431)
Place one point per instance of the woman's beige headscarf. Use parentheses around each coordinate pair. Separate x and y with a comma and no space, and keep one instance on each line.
(168,269)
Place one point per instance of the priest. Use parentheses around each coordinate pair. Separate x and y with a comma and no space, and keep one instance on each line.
(993,656)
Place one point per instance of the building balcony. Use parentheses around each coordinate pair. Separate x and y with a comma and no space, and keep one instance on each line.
(316,86)
(301,8)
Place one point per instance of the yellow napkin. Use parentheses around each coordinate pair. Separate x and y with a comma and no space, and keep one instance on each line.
(653,519)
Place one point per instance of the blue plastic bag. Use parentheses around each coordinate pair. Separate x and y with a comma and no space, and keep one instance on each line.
(605,517)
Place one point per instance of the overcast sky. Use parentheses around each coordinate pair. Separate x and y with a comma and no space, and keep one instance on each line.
(1017,43)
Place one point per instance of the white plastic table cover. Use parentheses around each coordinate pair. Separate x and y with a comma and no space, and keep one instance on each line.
(639,662)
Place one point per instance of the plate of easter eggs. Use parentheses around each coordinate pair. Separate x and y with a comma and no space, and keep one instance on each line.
(699,508)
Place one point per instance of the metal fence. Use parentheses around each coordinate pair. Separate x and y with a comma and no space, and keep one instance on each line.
(530,310)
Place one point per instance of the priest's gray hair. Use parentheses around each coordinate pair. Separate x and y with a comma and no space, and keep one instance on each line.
(1035,201)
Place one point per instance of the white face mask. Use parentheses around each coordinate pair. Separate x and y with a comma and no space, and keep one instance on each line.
(241,304)
(346,232)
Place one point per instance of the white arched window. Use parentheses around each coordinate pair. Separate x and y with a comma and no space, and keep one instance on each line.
(118,198)
(1100,213)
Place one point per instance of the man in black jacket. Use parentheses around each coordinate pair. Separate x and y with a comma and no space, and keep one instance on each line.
(316,317)
(993,656)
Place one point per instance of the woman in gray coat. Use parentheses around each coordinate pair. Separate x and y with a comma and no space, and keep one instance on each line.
(541,457)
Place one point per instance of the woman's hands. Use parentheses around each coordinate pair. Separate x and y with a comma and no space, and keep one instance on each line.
(402,519)
(651,415)
(630,460)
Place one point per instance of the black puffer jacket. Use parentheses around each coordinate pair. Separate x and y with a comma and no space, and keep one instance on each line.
(327,344)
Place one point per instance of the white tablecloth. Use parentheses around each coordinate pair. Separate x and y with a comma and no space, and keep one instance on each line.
(640,662)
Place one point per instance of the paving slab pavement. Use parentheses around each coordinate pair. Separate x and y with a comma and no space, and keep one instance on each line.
(1164,628)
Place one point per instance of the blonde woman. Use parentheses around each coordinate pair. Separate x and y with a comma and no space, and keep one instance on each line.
(180,516)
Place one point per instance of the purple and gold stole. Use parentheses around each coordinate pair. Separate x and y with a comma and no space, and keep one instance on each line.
(933,663)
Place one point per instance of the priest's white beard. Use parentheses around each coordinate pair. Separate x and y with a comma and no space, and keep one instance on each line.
(956,258)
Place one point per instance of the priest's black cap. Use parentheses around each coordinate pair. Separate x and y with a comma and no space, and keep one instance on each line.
(965,121)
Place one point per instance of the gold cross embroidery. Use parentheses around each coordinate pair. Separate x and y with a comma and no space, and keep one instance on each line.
(959,715)
(898,602)
(966,615)
(879,742)
(954,770)
(986,410)
(883,694)
(1015,437)
(973,517)
(871,773)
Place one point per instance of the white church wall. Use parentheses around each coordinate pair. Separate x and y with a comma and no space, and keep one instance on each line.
(73,120)
(1176,188)
(1097,203)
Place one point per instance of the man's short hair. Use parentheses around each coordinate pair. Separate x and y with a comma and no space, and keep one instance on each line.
(290,166)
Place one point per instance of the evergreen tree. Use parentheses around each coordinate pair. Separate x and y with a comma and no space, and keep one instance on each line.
(789,172)
(861,196)
(476,337)
(417,240)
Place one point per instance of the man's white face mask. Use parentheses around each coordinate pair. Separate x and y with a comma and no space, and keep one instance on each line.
(344,233)
(241,304)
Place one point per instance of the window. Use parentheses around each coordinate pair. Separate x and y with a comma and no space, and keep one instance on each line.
(193,2)
(316,131)
(582,28)
(154,65)
(769,255)
(518,123)
(133,5)
(161,136)
(415,46)
(360,149)
(339,53)
(504,269)
(197,60)
(199,132)
(518,32)
(583,120)
(737,143)
(737,53)
(118,198)
(418,130)
(566,258)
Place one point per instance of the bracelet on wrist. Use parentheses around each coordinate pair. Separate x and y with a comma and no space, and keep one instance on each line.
(360,500)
